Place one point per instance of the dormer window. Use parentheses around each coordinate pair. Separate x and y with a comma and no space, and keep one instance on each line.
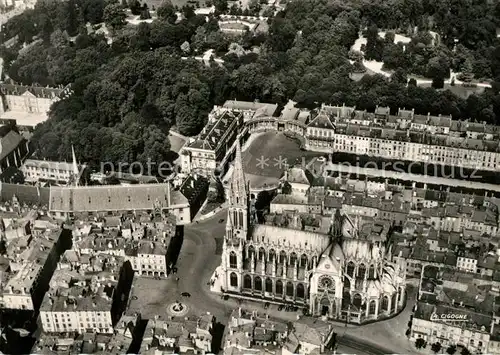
(109,199)
(128,198)
(149,198)
(89,200)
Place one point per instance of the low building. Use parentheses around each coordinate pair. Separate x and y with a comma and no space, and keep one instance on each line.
(189,335)
(90,301)
(117,343)
(144,244)
(26,290)
(93,201)
(453,313)
(30,99)
(251,333)
(51,171)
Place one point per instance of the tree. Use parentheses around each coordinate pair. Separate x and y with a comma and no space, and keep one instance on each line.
(452,349)
(145,15)
(437,83)
(419,343)
(166,12)
(135,7)
(467,74)
(58,39)
(465,351)
(114,16)
(185,47)
(254,7)
(221,6)
(438,68)
(436,347)
(400,76)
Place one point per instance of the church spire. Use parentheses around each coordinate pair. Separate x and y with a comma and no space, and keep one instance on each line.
(238,189)
(76,173)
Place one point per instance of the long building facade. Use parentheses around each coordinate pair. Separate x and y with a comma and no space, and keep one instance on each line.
(406,136)
(339,275)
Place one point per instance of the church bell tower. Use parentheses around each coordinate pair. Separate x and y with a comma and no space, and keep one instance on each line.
(238,201)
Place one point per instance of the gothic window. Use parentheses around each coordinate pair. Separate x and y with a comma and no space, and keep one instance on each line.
(361,271)
(357,300)
(293,258)
(350,269)
(235,219)
(303,260)
(326,283)
(272,254)
(385,303)
(373,305)
(289,289)
(269,285)
(233,260)
(347,283)
(282,257)
(241,219)
(300,291)
(247,281)
(258,283)
(279,287)
(371,272)
(234,279)
(262,254)
(251,251)
(394,304)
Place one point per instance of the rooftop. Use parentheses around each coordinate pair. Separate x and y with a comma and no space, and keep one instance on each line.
(114,198)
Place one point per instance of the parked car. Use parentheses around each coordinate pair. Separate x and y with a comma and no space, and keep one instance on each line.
(221,220)
(185,294)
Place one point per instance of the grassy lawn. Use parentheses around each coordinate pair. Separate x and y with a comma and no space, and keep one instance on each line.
(459,90)
(178,3)
(264,155)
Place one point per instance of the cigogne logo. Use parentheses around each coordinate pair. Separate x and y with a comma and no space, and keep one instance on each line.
(450,317)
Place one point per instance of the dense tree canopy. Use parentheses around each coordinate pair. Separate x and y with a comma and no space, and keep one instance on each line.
(128,93)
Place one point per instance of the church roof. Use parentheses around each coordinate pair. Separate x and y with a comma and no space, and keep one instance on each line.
(285,237)
(355,249)
(114,198)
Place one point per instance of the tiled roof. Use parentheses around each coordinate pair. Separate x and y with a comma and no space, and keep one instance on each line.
(114,198)
(10,142)
(211,135)
(38,91)
(322,120)
(25,194)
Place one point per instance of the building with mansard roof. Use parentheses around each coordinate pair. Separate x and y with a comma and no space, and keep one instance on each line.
(343,274)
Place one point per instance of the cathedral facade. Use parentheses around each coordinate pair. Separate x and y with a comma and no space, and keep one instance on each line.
(341,275)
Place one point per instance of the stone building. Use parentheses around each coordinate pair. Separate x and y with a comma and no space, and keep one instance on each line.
(343,274)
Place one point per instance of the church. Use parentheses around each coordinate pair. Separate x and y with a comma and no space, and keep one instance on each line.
(344,274)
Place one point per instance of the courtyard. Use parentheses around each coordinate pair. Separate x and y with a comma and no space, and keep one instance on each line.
(270,153)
